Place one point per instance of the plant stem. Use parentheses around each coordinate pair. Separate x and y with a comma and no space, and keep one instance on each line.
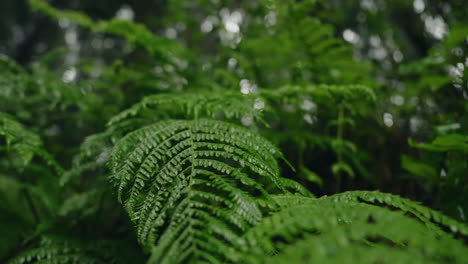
(31,205)
(339,137)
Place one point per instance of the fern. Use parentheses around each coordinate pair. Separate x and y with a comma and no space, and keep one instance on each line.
(194,169)
(34,84)
(136,34)
(58,250)
(430,217)
(17,138)
(182,180)
(201,104)
(234,105)
(305,51)
(24,142)
(330,230)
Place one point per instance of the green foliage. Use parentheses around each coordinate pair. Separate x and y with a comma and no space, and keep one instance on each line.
(210,144)
(450,142)
(24,142)
(200,104)
(424,214)
(134,33)
(18,139)
(450,153)
(344,228)
(182,180)
(65,250)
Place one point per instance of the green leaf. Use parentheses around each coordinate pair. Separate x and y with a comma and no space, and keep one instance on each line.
(450,142)
(418,168)
(340,167)
(311,176)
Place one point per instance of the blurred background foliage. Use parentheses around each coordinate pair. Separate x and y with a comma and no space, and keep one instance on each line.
(65,77)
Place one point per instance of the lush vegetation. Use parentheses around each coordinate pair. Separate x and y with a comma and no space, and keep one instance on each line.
(269,131)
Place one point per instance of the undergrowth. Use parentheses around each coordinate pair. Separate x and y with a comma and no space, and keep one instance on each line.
(188,169)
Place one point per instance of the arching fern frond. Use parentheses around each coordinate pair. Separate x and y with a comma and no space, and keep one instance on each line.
(426,215)
(205,104)
(136,34)
(304,48)
(229,105)
(24,142)
(337,247)
(18,138)
(192,187)
(324,92)
(330,230)
(65,250)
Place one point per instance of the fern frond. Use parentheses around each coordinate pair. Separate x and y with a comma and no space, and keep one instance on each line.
(304,48)
(24,142)
(327,93)
(95,150)
(432,218)
(18,138)
(63,250)
(136,34)
(201,104)
(350,231)
(227,104)
(191,186)
(335,248)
